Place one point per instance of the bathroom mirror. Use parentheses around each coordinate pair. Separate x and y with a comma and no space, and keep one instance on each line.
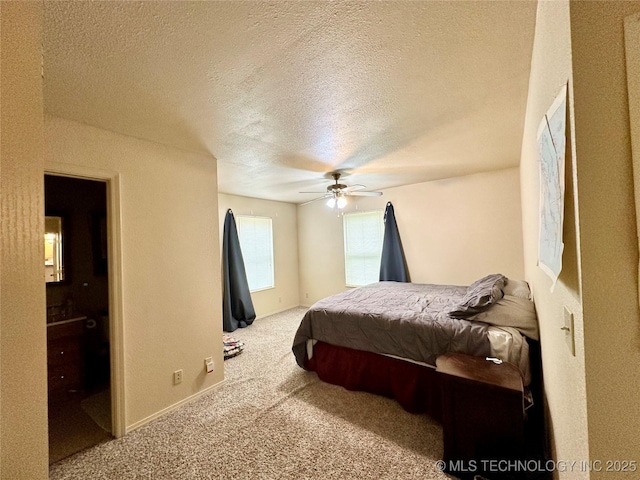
(53,251)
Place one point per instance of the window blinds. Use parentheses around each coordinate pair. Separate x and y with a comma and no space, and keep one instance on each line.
(363,234)
(256,242)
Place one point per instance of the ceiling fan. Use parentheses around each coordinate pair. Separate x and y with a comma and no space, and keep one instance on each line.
(337,192)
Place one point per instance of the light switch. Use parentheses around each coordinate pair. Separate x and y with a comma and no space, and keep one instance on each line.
(567,328)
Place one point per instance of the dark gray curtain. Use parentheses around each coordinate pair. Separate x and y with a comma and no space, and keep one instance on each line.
(237,307)
(393,266)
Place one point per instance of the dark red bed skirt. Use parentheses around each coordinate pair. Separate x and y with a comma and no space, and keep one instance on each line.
(415,387)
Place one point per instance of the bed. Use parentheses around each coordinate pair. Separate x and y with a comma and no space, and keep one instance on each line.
(384,338)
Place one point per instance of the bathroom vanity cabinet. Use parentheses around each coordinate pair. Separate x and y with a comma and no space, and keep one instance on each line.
(65,355)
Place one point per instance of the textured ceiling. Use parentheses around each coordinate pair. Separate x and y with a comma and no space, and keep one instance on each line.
(283,92)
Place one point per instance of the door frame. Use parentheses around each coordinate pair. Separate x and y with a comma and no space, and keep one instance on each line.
(114,256)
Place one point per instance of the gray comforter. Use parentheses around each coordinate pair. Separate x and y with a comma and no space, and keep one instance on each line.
(407,320)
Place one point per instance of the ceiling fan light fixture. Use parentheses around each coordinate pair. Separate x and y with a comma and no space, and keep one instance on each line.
(337,193)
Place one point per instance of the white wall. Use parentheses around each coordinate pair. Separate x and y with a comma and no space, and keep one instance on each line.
(592,397)
(172,313)
(453,232)
(23,355)
(285,249)
(608,236)
(564,374)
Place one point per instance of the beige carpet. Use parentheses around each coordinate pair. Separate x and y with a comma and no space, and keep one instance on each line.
(270,420)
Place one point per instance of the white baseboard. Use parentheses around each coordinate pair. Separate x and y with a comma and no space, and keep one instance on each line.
(170,408)
(280,310)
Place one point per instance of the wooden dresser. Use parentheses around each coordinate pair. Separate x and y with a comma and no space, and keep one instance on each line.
(65,357)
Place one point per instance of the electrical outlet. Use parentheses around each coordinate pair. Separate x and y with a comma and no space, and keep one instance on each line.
(306,295)
(208,364)
(177,377)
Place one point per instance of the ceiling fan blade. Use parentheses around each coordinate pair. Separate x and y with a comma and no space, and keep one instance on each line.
(315,192)
(354,187)
(364,194)
(315,199)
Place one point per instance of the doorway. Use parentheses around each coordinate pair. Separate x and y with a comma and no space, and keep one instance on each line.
(78,326)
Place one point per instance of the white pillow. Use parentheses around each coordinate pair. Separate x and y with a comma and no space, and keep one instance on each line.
(511,311)
(517,288)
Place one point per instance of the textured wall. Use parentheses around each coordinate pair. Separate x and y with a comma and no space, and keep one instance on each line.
(563,373)
(172,313)
(23,361)
(592,397)
(285,249)
(607,230)
(453,231)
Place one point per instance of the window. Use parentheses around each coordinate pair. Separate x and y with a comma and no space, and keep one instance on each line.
(256,241)
(363,234)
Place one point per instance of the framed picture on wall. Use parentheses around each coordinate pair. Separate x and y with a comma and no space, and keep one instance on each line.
(99,243)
